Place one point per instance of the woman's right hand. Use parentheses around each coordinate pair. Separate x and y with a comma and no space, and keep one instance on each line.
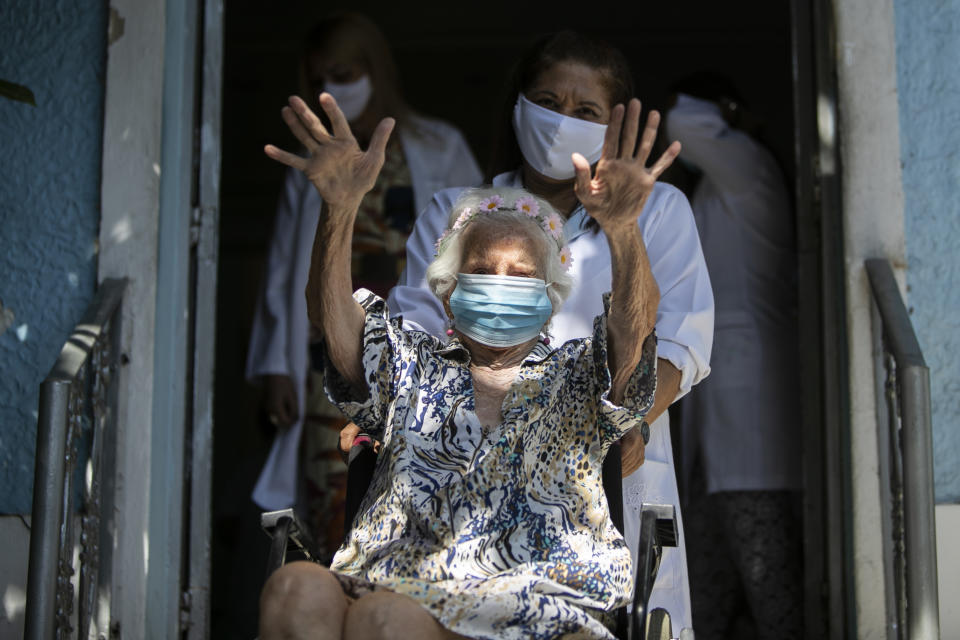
(280,400)
(341,172)
(347,435)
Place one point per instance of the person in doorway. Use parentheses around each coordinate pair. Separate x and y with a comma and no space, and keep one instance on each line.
(347,56)
(486,517)
(561,98)
(741,427)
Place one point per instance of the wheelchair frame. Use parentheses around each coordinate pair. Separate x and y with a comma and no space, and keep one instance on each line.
(658,529)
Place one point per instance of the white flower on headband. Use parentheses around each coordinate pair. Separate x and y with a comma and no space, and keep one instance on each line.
(551,224)
(440,241)
(554,226)
(528,205)
(463,218)
(493,203)
(566,258)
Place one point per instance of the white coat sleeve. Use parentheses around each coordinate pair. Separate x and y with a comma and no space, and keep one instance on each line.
(727,156)
(267,353)
(685,315)
(463,168)
(411,298)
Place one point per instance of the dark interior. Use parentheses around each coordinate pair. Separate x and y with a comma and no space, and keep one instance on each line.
(453,59)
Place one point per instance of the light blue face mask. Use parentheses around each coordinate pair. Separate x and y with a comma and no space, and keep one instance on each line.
(500,311)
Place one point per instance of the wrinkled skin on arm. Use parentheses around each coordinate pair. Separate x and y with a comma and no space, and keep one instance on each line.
(342,173)
(614,196)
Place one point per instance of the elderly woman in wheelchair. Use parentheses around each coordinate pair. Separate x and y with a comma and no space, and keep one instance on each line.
(486,516)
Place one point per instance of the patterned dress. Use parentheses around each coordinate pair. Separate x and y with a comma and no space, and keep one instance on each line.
(502,532)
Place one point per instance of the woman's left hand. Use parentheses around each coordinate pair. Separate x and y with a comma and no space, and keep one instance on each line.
(619,189)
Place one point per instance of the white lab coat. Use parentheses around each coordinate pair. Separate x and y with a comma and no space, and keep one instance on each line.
(745,419)
(684,331)
(438,156)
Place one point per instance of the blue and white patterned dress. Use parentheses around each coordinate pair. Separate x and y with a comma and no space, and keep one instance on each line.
(502,532)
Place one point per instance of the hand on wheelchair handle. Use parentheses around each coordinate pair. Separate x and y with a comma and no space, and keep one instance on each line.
(351,436)
(633,449)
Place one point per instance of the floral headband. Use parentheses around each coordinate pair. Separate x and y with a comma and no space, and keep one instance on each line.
(551,224)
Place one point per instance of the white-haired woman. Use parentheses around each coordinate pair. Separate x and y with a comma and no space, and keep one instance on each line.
(486,516)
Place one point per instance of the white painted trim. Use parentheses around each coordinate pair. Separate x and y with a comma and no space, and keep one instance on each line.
(128,248)
(172,326)
(873,227)
(948,569)
(198,578)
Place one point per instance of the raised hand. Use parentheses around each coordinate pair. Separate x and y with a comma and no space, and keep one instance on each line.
(619,189)
(341,172)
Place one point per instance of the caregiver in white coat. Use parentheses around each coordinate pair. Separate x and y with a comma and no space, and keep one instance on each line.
(746,226)
(347,56)
(741,429)
(564,91)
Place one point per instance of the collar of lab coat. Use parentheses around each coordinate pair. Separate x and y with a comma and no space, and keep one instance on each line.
(438,157)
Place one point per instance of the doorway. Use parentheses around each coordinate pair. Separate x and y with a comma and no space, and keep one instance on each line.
(452,66)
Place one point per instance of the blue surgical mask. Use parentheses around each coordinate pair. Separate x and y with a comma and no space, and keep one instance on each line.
(500,311)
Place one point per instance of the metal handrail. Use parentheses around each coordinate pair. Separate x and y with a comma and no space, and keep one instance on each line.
(915,440)
(74,413)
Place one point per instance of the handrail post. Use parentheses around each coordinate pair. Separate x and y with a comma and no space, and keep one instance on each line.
(916,445)
(923,610)
(73,407)
(48,483)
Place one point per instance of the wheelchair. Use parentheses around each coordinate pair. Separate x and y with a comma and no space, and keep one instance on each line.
(658,529)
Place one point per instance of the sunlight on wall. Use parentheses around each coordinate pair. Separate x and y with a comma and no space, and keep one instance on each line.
(121,231)
(14,602)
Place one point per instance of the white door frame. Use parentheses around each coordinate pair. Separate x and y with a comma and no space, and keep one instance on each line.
(160,195)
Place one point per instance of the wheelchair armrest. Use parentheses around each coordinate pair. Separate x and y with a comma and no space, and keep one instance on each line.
(361,462)
(658,529)
(284,526)
(666,515)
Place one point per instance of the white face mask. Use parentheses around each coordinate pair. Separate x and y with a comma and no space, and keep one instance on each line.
(352,97)
(547,139)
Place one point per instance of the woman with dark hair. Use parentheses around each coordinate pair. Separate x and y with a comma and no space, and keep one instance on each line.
(347,56)
(563,93)
(565,46)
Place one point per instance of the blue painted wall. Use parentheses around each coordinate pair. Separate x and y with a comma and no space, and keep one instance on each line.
(928,55)
(49,207)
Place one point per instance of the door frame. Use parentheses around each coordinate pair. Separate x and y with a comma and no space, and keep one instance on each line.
(159,228)
(827,504)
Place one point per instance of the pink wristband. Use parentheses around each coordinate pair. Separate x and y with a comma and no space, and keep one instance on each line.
(361,439)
